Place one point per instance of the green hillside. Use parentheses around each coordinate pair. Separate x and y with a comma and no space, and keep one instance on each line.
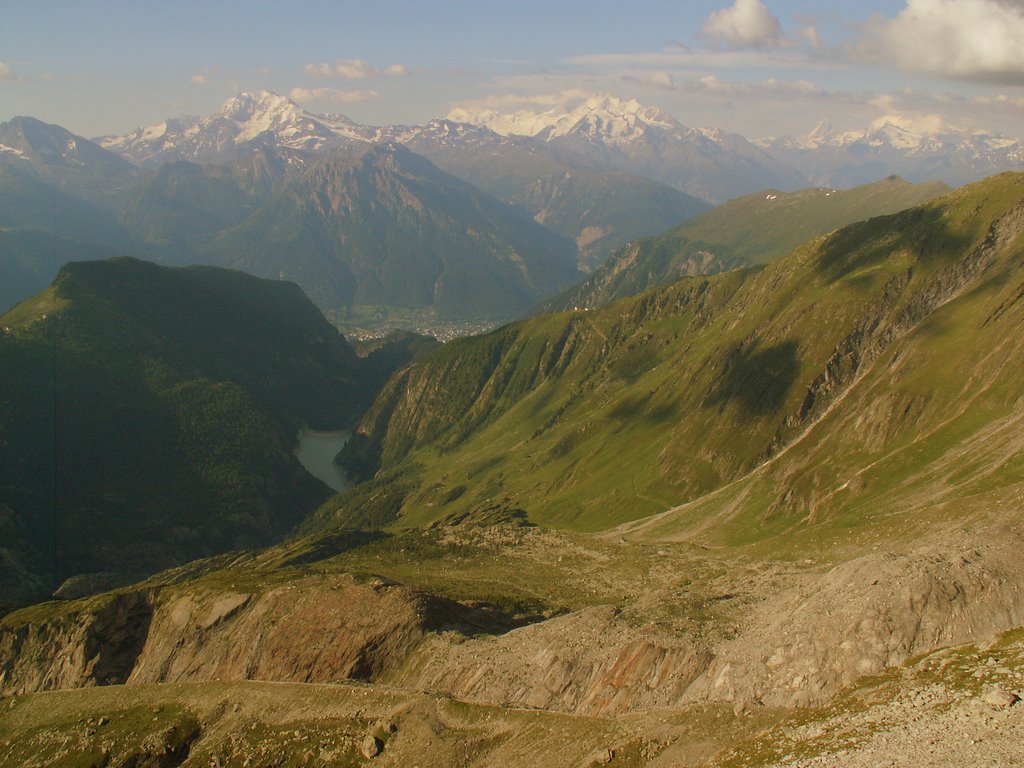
(152,413)
(30,260)
(816,373)
(754,229)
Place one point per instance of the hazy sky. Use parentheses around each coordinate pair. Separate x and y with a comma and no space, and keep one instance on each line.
(758,67)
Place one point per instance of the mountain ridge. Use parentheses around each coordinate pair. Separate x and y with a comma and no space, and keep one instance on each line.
(755,229)
(918,148)
(400,221)
(763,348)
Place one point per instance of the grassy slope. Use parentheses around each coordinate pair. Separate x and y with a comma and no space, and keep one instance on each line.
(30,260)
(591,419)
(754,229)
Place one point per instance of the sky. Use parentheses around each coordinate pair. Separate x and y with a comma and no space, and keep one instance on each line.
(756,67)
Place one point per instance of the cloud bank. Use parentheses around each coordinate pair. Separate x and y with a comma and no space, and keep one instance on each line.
(356,69)
(332,95)
(8,75)
(744,24)
(971,39)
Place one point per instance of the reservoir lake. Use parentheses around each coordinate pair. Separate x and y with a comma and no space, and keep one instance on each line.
(316,453)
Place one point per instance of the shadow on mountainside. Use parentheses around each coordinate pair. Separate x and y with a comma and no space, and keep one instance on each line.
(758,380)
(923,232)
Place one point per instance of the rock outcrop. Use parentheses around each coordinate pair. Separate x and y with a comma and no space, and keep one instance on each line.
(588,662)
(313,630)
(869,614)
(96,645)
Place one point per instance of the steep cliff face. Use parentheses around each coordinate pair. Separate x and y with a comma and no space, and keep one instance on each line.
(95,645)
(690,627)
(319,629)
(588,663)
(311,630)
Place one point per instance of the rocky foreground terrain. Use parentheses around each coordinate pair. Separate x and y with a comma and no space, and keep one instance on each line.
(631,652)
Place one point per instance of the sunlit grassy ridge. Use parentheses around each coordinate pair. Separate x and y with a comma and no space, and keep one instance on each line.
(754,229)
(825,364)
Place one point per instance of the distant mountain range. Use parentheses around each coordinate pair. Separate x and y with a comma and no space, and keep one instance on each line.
(604,133)
(577,195)
(601,132)
(366,228)
(919,150)
(719,166)
(709,163)
(473,218)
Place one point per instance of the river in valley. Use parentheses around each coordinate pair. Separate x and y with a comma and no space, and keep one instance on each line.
(316,453)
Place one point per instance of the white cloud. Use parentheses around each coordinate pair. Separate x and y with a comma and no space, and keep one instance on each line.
(333,95)
(1000,100)
(8,75)
(651,79)
(810,34)
(974,39)
(204,75)
(702,58)
(770,88)
(356,69)
(744,24)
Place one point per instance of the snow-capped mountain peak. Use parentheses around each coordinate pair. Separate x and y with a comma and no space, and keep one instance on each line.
(600,116)
(910,133)
(821,134)
(918,148)
(256,113)
(242,122)
(612,119)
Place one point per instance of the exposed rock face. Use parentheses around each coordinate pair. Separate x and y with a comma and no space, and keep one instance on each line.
(312,630)
(869,614)
(318,629)
(97,646)
(587,662)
